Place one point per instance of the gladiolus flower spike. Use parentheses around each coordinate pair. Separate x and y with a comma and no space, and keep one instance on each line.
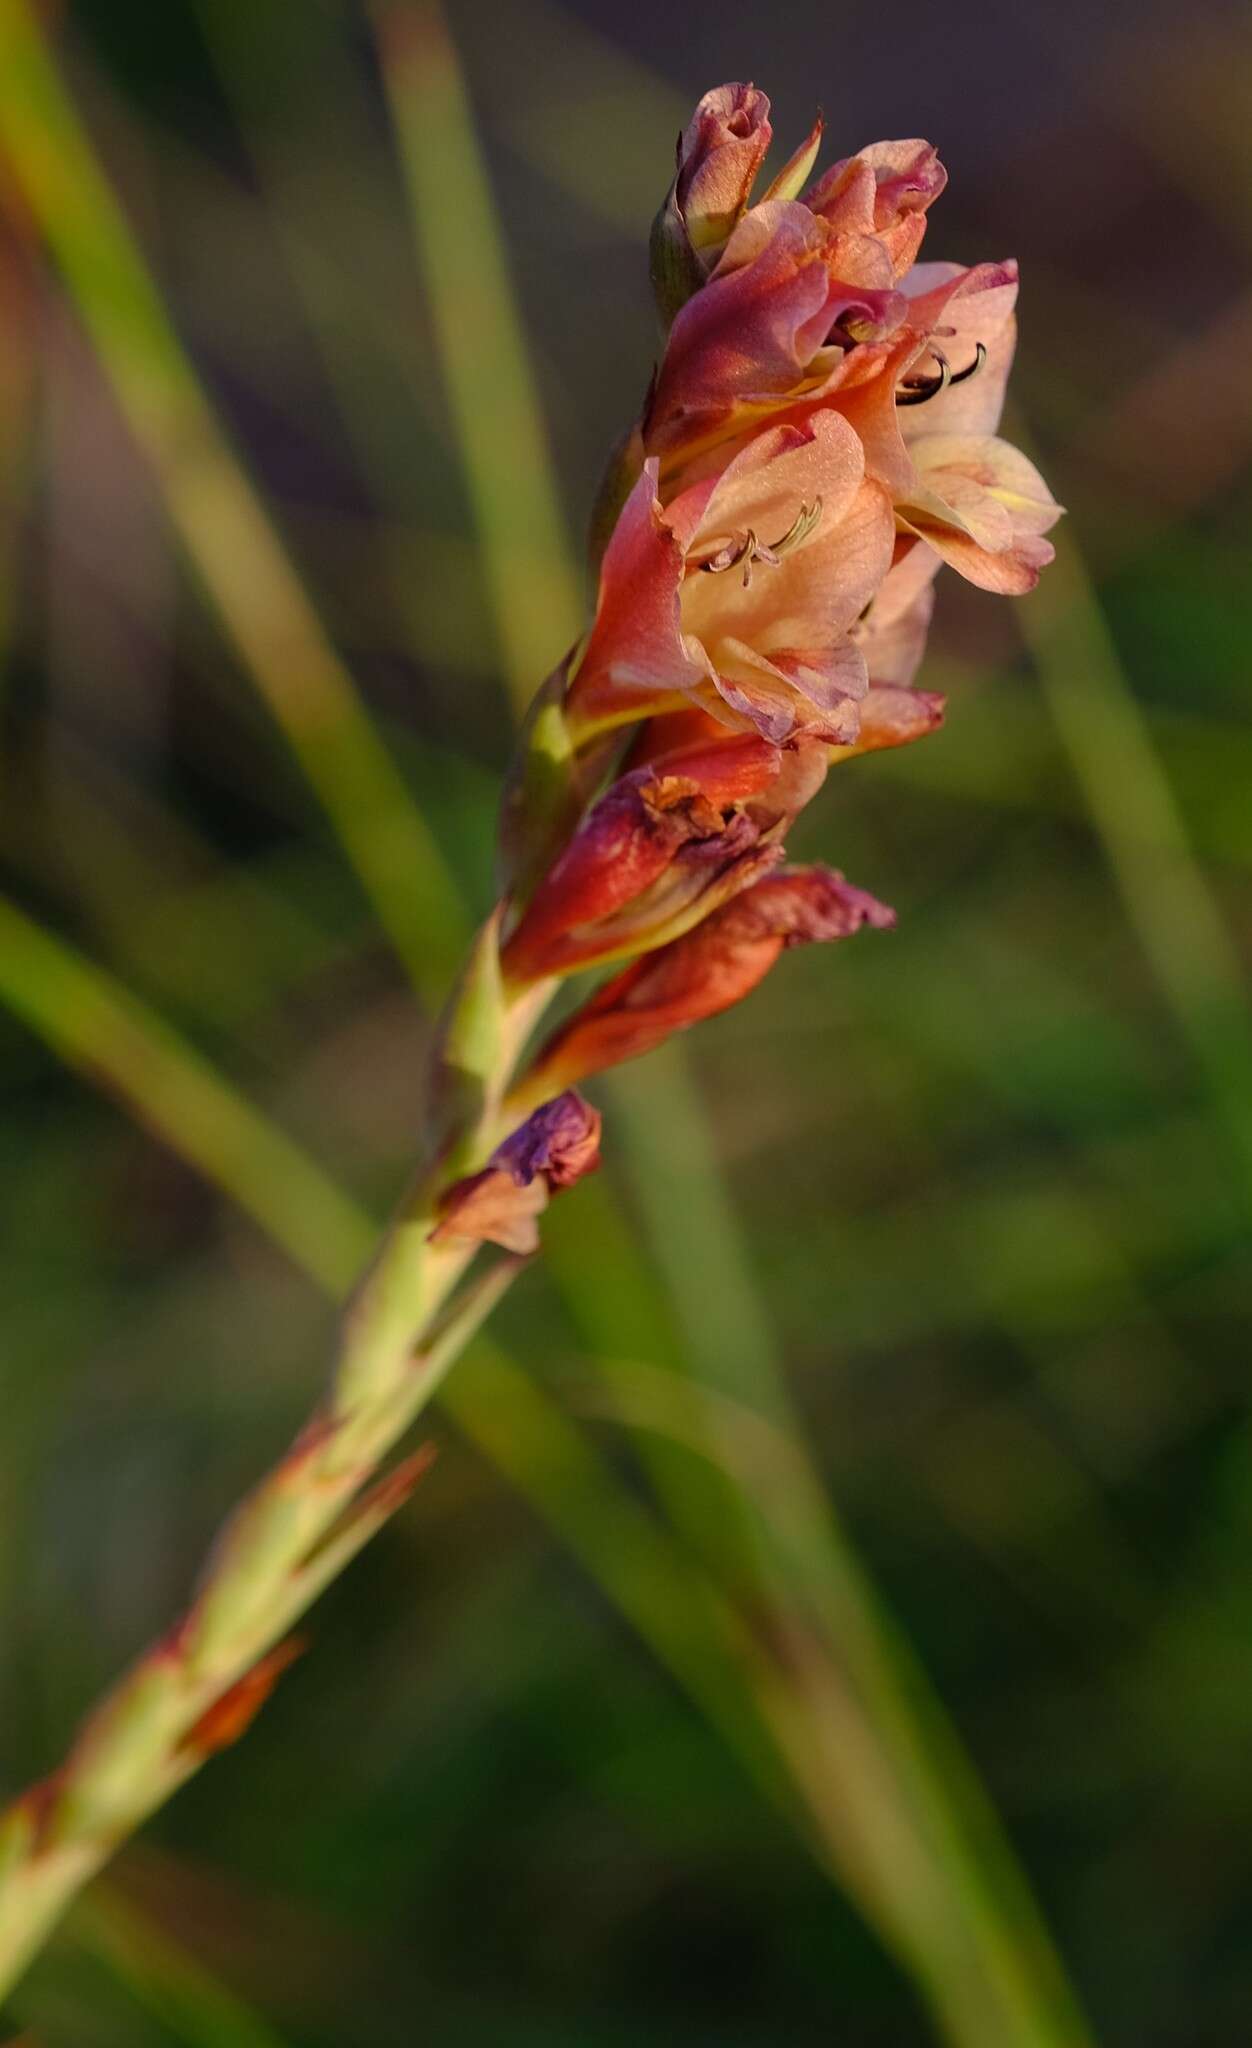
(817,440)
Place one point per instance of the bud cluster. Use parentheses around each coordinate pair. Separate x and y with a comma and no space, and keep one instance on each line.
(818,439)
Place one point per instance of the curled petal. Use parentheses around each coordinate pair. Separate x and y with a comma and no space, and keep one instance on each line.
(983,506)
(802,770)
(707,970)
(886,190)
(790,693)
(891,716)
(557,1144)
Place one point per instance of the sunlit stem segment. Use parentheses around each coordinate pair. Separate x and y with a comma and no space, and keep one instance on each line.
(318,1505)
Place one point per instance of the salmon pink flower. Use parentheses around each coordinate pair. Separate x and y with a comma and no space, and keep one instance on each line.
(927,421)
(742,592)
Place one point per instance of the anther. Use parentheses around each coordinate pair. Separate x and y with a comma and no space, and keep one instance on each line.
(971,369)
(917,390)
(800,528)
(749,550)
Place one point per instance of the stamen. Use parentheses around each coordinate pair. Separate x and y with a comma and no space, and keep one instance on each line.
(917,390)
(971,369)
(728,557)
(749,550)
(800,528)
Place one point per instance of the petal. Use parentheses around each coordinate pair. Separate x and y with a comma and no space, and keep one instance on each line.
(1009,571)
(892,637)
(748,338)
(707,970)
(558,1143)
(780,469)
(892,716)
(885,188)
(964,308)
(996,467)
(795,691)
(635,653)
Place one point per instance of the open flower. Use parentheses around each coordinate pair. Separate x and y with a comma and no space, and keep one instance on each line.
(927,422)
(740,594)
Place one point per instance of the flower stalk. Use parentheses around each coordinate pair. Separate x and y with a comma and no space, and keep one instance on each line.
(817,441)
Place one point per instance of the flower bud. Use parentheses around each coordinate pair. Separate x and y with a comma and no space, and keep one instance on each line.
(704,972)
(557,1144)
(719,154)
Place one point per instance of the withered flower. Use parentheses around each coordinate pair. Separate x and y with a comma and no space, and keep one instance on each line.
(706,971)
(558,1143)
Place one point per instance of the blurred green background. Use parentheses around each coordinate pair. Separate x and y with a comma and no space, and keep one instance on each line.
(980,1189)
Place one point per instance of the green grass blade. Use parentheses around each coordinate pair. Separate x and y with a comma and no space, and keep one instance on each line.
(224,527)
(536,596)
(185,1997)
(105,1032)
(1135,813)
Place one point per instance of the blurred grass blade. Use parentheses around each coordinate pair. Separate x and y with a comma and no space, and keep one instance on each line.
(535,593)
(224,526)
(956,1905)
(108,1034)
(680,1614)
(180,1993)
(595,119)
(896,1771)
(1136,815)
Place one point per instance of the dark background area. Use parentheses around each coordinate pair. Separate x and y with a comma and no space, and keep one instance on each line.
(982,1188)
